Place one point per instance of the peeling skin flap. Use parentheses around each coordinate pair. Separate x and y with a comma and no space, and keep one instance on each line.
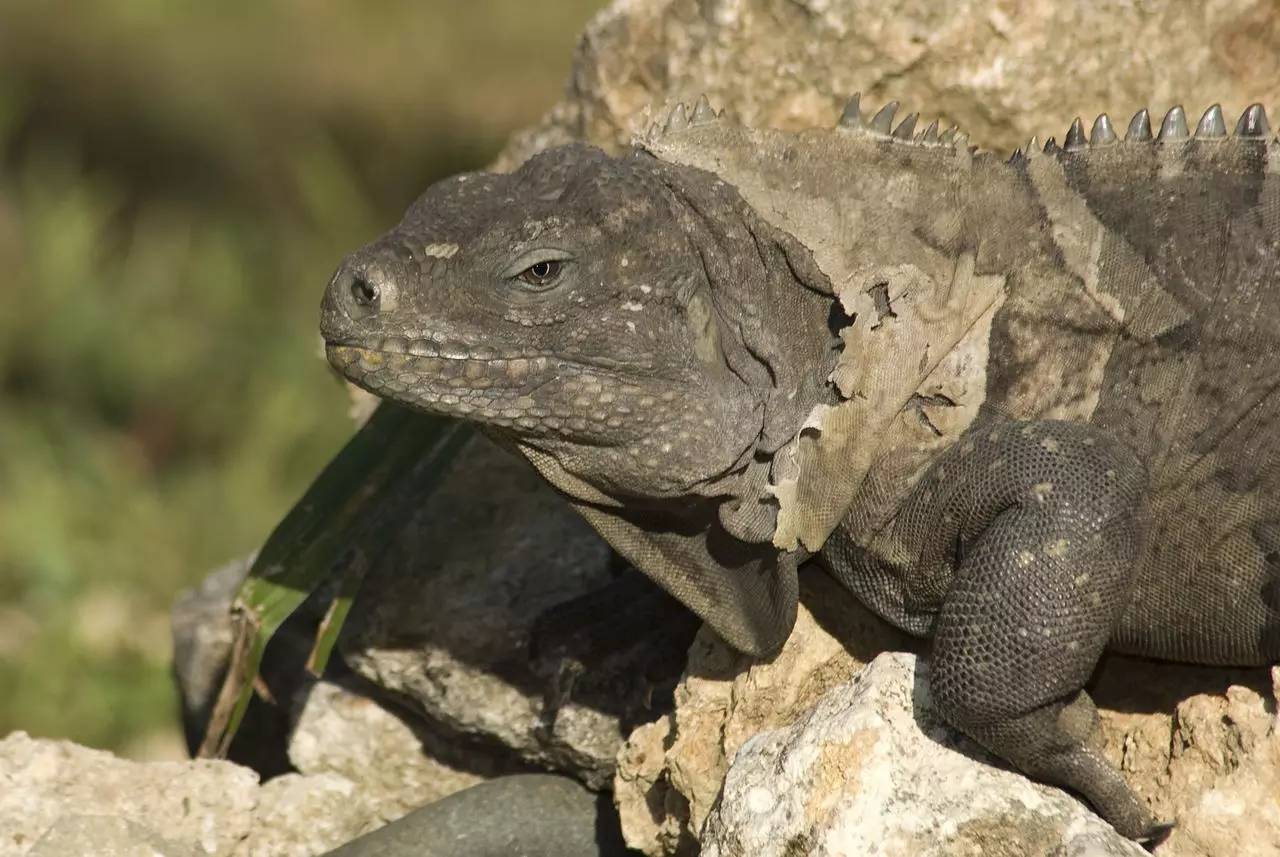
(912,336)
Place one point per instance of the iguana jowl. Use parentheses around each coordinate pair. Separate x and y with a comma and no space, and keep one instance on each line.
(1030,408)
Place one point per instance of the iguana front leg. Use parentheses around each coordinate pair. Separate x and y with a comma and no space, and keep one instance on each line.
(1022,541)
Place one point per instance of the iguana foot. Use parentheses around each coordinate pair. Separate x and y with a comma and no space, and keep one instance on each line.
(1045,744)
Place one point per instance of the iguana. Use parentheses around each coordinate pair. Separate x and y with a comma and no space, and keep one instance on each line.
(1027,407)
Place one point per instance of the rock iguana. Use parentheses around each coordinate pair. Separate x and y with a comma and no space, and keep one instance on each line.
(1027,407)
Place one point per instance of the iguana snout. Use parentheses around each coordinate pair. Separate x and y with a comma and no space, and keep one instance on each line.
(564,305)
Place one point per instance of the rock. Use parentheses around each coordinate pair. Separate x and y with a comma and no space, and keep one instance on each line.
(57,794)
(1002,73)
(104,836)
(529,814)
(860,772)
(498,621)
(1223,781)
(300,816)
(385,754)
(450,622)
(654,816)
(1209,761)
(671,771)
(1195,742)
(1238,814)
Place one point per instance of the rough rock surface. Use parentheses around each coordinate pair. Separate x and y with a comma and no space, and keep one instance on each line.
(104,836)
(54,794)
(670,772)
(451,622)
(1003,70)
(1199,744)
(859,773)
(385,754)
(458,623)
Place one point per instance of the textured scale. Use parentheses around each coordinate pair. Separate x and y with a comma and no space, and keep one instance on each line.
(1030,408)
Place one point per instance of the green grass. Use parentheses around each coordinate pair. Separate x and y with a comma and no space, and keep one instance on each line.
(177,183)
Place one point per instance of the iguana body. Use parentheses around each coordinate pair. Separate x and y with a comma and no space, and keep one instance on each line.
(1028,408)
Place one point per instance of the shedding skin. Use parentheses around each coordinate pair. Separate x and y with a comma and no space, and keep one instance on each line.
(1026,408)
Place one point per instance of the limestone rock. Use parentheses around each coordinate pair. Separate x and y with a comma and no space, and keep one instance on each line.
(57,794)
(654,816)
(859,773)
(1196,742)
(1001,71)
(104,836)
(301,816)
(670,772)
(1224,776)
(499,622)
(1239,814)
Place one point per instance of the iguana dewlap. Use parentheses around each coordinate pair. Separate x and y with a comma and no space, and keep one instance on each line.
(1030,408)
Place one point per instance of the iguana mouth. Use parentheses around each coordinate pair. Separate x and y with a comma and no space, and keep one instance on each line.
(531,394)
(409,369)
(517,366)
(400,345)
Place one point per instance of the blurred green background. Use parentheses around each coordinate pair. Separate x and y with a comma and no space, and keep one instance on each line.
(177,182)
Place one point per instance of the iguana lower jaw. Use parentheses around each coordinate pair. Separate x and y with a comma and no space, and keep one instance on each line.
(452,382)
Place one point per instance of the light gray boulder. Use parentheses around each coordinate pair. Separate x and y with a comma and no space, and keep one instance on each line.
(105,836)
(57,794)
(871,769)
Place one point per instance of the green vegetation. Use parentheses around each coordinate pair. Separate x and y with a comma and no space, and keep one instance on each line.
(177,182)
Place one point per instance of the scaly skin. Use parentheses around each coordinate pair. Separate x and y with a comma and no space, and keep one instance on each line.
(1026,408)
(622,369)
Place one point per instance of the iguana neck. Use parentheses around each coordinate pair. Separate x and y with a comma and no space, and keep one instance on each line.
(919,243)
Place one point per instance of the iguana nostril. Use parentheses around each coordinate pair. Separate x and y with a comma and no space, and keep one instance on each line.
(363,292)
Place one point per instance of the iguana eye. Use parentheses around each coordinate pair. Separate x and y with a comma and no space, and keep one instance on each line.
(542,273)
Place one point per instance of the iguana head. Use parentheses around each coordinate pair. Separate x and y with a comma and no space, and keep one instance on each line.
(602,311)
